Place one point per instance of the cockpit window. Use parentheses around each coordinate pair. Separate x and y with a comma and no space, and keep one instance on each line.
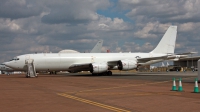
(15,58)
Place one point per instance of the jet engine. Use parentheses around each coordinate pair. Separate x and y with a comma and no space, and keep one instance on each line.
(98,67)
(127,64)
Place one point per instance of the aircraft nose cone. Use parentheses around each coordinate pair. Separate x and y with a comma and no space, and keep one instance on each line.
(8,64)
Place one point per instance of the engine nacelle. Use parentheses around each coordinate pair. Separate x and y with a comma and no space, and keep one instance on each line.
(127,64)
(98,67)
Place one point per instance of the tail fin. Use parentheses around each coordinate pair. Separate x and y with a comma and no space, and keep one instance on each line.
(167,43)
(97,47)
(162,64)
(167,64)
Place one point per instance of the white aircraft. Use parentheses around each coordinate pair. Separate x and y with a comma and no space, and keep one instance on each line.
(99,63)
(163,65)
(167,64)
(153,67)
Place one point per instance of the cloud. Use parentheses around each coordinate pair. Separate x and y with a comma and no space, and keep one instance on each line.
(73,11)
(108,24)
(179,11)
(134,47)
(15,9)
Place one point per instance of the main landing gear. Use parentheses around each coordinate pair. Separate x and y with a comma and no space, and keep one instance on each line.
(108,73)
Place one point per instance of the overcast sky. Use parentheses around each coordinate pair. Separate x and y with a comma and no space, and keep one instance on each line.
(28,26)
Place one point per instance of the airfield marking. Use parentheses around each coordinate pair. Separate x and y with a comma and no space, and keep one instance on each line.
(93,103)
(124,86)
(132,93)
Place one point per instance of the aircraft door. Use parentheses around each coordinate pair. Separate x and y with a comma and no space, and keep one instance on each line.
(27,57)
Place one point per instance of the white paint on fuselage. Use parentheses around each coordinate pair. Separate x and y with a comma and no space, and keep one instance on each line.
(62,62)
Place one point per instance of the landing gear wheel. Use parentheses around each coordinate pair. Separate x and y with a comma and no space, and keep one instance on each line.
(105,73)
(27,76)
(109,73)
(94,74)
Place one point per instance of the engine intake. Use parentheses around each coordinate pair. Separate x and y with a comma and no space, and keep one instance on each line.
(98,67)
(126,65)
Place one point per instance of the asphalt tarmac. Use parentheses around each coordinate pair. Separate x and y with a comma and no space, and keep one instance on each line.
(82,92)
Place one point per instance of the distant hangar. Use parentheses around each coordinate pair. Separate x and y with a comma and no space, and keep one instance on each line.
(189,62)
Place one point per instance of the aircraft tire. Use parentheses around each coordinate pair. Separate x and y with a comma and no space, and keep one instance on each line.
(109,73)
(94,74)
(105,73)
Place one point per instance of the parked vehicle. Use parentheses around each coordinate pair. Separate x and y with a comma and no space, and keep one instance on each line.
(174,68)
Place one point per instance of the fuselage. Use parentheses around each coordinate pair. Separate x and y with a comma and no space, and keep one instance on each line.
(62,61)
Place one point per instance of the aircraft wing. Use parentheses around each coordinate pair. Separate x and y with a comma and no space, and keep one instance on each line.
(151,60)
(140,61)
(112,64)
(87,66)
(166,57)
(143,60)
(80,67)
(186,53)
